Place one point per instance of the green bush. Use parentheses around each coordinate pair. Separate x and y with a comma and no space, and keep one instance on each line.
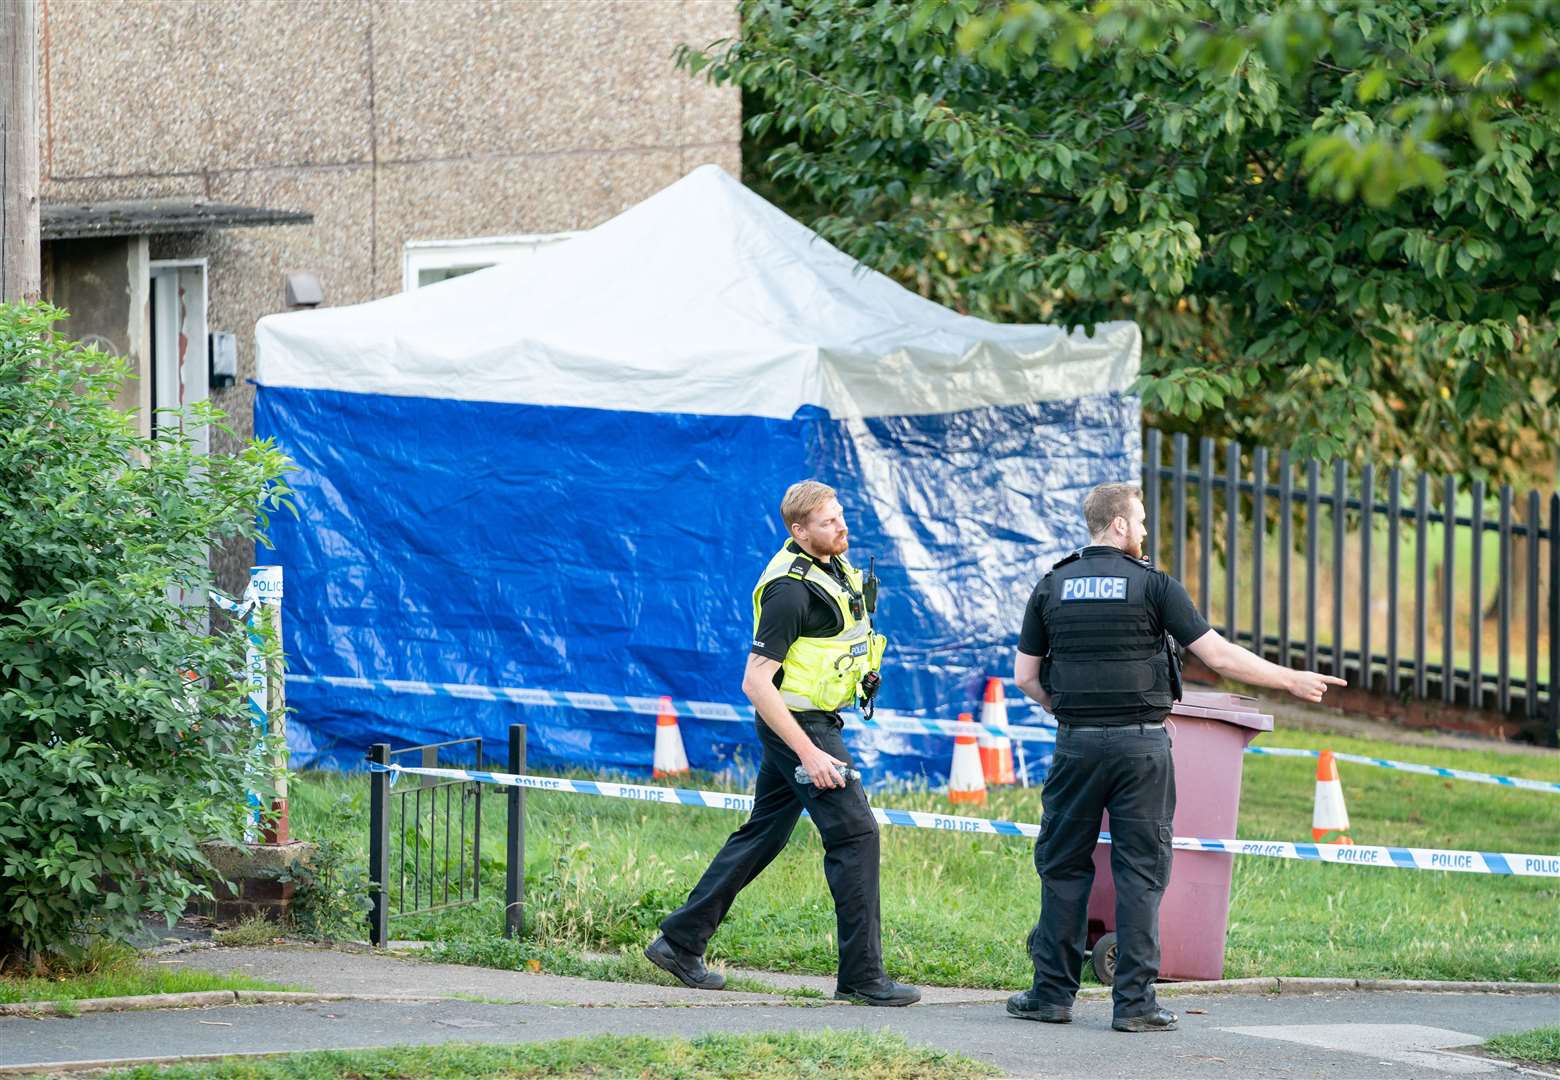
(113,765)
(332,896)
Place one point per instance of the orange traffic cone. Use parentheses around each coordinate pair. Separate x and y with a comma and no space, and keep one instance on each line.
(966,779)
(670,758)
(996,751)
(1330,819)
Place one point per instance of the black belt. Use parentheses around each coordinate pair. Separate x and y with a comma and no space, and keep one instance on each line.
(1110,727)
(833,720)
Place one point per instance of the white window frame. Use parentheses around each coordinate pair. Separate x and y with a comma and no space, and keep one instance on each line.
(476,251)
(181,384)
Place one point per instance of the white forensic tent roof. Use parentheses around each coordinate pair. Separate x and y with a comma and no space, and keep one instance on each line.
(704,298)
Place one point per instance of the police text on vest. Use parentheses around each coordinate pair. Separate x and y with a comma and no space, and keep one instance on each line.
(1094,588)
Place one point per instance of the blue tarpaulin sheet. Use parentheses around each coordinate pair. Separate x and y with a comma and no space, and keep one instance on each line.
(485,529)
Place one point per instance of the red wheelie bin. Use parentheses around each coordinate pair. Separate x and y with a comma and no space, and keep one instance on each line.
(1209,737)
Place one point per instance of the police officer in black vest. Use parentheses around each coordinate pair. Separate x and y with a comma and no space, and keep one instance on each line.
(1098,650)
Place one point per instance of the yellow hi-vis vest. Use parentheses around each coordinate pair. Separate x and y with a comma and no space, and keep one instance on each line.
(823,673)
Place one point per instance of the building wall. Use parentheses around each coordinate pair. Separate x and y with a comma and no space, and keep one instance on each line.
(389,120)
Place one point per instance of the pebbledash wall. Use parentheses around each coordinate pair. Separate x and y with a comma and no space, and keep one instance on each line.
(390,121)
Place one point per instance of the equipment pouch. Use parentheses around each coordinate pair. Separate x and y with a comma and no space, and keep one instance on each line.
(877,645)
(836,689)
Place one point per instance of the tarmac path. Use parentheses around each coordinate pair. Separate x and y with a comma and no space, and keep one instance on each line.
(1359,1034)
(1331,1034)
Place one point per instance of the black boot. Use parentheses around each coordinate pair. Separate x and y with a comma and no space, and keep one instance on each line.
(1026,1007)
(686,967)
(884,991)
(1158,1020)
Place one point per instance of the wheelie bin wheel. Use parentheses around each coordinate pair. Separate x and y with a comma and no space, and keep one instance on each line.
(1103,959)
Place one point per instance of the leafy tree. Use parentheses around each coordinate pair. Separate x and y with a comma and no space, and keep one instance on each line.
(113,764)
(1337,223)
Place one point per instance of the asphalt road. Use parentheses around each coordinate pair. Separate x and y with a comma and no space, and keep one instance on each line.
(1365,1035)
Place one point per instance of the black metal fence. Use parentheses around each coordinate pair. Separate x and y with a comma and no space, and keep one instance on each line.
(1390,590)
(425,834)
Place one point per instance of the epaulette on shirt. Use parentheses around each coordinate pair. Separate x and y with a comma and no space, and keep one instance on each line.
(801,567)
(1065,559)
(1145,562)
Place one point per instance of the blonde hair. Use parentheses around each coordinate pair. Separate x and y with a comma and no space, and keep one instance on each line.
(801,499)
(1106,503)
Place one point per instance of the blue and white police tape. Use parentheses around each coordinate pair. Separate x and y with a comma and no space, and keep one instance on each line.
(1468,862)
(892,723)
(1409,766)
(227,603)
(255,675)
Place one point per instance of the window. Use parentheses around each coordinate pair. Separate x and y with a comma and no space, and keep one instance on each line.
(430,261)
(179,367)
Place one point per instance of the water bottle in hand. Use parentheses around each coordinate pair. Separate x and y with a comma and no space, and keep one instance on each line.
(844,770)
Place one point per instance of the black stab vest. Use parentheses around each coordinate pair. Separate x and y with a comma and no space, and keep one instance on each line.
(1108,658)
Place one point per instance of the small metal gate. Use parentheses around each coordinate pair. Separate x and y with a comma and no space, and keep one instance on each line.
(425,834)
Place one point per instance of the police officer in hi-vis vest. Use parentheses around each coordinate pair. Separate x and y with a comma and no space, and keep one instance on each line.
(813,654)
(1097,651)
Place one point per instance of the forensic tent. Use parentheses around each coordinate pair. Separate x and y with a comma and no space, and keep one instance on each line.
(563,478)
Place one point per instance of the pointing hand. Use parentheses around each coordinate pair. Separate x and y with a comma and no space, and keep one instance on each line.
(1310,686)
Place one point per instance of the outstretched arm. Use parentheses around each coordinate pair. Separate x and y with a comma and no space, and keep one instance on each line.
(1234,662)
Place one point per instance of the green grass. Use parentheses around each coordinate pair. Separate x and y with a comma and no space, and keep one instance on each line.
(600,874)
(253,931)
(1540,1046)
(1314,919)
(110,971)
(846,1055)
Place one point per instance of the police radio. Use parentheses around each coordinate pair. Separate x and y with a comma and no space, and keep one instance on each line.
(871,680)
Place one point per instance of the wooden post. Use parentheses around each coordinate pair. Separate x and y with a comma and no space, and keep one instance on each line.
(20,269)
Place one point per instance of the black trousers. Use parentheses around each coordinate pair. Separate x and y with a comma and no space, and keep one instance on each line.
(1128,772)
(850,855)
